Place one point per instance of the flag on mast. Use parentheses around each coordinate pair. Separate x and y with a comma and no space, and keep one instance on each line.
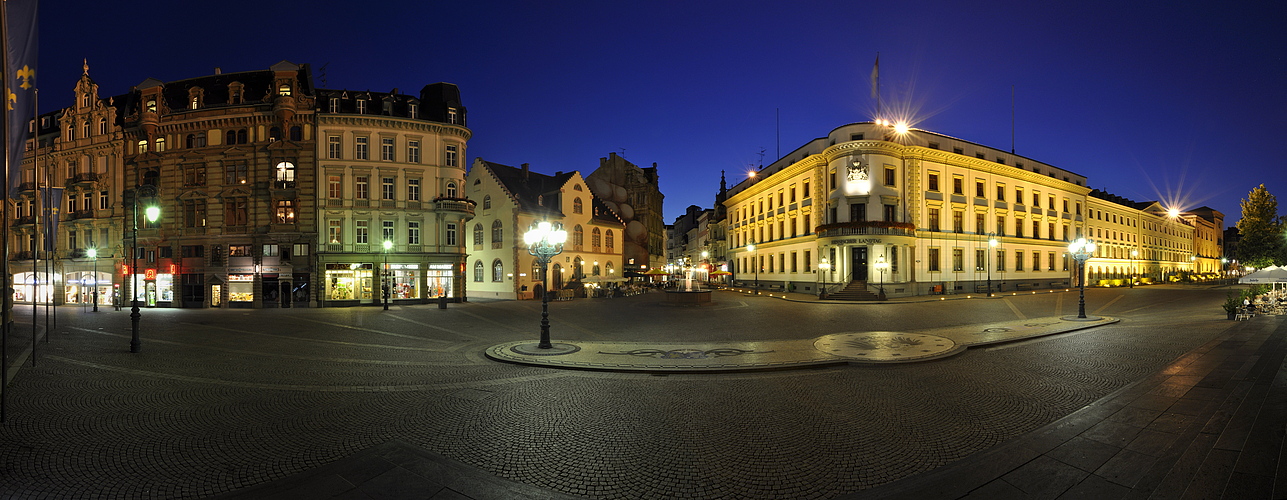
(20,32)
(875,79)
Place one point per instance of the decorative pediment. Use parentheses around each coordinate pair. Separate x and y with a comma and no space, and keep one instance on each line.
(235,192)
(191,155)
(284,145)
(237,151)
(193,194)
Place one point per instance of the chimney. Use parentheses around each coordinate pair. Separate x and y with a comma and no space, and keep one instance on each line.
(218,70)
(526,171)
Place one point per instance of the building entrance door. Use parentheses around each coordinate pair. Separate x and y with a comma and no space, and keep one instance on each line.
(859,255)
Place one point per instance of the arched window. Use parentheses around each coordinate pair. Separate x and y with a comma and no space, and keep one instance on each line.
(151,105)
(84,129)
(451,190)
(596,269)
(578,237)
(478,234)
(594,239)
(478,271)
(487,202)
(102,126)
(71,131)
(578,268)
(196,102)
(498,234)
(576,205)
(608,266)
(232,137)
(190,141)
(297,133)
(274,134)
(241,136)
(607,240)
(142,146)
(160,144)
(284,89)
(498,271)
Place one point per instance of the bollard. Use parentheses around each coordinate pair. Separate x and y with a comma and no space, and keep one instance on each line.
(442,302)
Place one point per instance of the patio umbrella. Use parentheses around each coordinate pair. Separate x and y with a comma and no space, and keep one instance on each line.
(720,273)
(656,272)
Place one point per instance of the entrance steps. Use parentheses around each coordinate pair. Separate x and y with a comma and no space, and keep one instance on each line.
(855,290)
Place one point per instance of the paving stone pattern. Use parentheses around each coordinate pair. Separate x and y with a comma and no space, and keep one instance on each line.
(223,400)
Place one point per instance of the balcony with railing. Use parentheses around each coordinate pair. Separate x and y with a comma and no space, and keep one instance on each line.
(455,205)
(25,220)
(865,228)
(82,178)
(80,214)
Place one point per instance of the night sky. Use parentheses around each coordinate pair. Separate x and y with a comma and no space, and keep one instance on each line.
(1172,101)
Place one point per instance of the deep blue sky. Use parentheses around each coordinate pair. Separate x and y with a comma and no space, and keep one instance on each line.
(1173,100)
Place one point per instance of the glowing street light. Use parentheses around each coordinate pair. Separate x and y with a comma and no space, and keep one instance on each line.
(1081,250)
(992,244)
(755,262)
(93,255)
(384,277)
(824,268)
(545,240)
(881,266)
(152,212)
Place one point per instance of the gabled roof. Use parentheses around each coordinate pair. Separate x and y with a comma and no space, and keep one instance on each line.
(527,187)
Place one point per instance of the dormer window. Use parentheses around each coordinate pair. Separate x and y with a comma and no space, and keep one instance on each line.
(234,93)
(84,101)
(335,105)
(411,109)
(102,126)
(451,115)
(151,105)
(283,90)
(361,106)
(84,129)
(388,106)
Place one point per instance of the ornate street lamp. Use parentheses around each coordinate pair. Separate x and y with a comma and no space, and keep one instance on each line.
(384,276)
(93,255)
(824,268)
(992,245)
(1081,250)
(152,212)
(545,240)
(755,262)
(882,266)
(1134,254)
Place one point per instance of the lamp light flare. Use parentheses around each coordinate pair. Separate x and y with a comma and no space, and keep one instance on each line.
(1173,212)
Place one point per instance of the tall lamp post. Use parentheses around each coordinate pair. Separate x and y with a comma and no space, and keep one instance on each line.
(152,212)
(992,246)
(881,266)
(1134,254)
(824,268)
(93,255)
(755,262)
(1081,249)
(384,275)
(545,240)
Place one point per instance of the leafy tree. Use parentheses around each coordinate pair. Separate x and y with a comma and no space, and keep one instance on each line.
(1261,230)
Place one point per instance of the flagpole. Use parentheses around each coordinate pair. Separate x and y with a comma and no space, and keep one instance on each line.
(4,266)
(37,242)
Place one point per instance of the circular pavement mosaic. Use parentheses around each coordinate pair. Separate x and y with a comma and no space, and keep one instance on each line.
(885,346)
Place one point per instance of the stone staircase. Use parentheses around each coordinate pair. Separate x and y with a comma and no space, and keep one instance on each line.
(855,290)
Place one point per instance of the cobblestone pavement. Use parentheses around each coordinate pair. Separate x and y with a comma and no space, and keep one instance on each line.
(224,399)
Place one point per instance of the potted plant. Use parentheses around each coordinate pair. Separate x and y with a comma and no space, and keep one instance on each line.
(1231,304)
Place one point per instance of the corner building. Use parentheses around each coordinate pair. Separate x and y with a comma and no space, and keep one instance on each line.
(914,214)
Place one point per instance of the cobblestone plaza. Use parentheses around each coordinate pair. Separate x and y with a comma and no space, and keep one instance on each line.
(221,400)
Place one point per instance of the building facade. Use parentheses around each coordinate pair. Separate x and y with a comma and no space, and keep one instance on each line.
(510,200)
(634,194)
(243,180)
(921,213)
(391,168)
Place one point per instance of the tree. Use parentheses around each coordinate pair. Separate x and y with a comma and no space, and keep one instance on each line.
(1261,230)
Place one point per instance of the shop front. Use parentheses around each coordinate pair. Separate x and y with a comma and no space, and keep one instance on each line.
(404,282)
(241,290)
(438,281)
(349,284)
(154,290)
(82,287)
(31,286)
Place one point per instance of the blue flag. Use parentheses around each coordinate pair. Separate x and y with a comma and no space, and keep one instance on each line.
(53,205)
(20,77)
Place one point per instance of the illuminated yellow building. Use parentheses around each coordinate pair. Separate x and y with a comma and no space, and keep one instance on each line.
(918,212)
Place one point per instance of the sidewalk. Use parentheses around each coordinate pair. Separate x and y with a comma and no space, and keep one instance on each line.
(1210,425)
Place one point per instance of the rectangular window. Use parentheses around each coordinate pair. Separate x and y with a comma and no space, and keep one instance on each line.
(386,188)
(891,213)
(1018,260)
(980,260)
(1078,208)
(1036,229)
(1050,261)
(362,190)
(958,185)
(1036,199)
(361,233)
(386,230)
(805,187)
(1050,228)
(808,262)
(103,201)
(980,226)
(958,221)
(933,181)
(451,156)
(933,219)
(300,249)
(239,250)
(1018,196)
(1018,228)
(359,148)
(1065,205)
(87,202)
(270,250)
(234,212)
(413,151)
(361,106)
(1000,192)
(235,173)
(858,212)
(933,260)
(413,232)
(192,251)
(980,190)
(889,176)
(333,147)
(1001,260)
(386,149)
(958,259)
(1000,225)
(194,213)
(792,191)
(794,266)
(1036,261)
(808,228)
(451,234)
(335,231)
(1051,202)
(413,189)
(194,175)
(334,187)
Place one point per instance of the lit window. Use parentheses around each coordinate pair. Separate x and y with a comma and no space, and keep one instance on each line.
(286,212)
(451,190)
(284,89)
(413,232)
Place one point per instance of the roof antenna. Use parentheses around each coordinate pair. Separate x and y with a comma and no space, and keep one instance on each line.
(323,71)
(623,152)
(761,158)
